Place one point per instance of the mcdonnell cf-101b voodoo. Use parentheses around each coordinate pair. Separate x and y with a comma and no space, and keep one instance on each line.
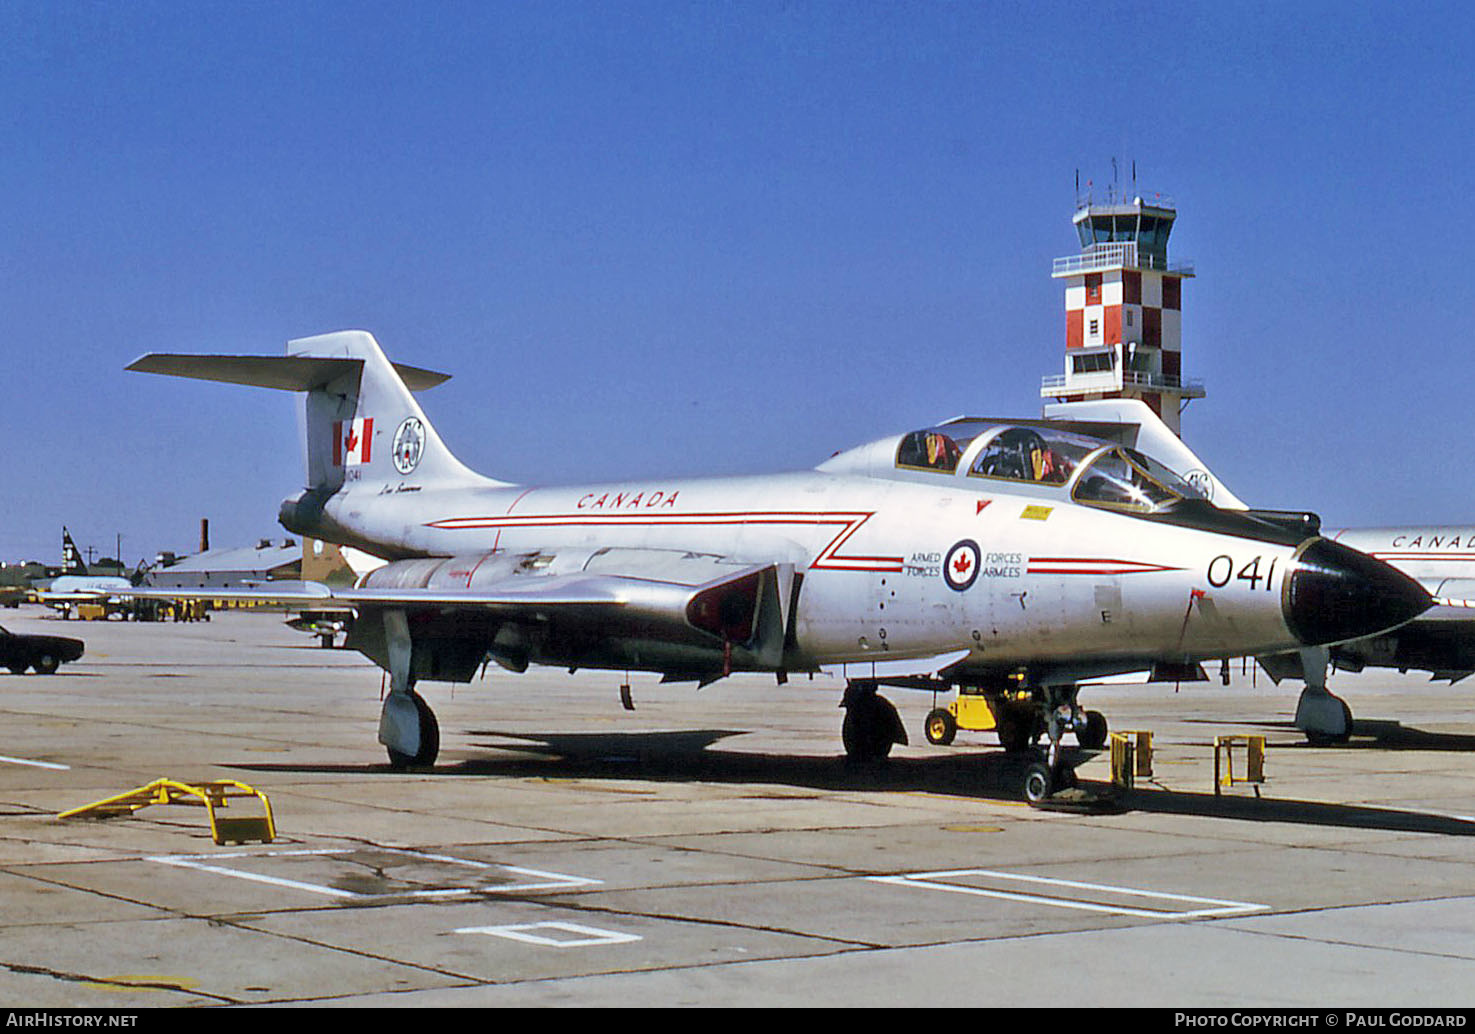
(1010,559)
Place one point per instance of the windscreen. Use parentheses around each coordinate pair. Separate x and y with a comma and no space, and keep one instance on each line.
(1125,479)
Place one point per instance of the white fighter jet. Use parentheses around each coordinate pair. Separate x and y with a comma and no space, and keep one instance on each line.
(1011,558)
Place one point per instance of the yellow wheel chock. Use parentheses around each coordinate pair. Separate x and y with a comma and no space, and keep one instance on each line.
(1254,761)
(213,795)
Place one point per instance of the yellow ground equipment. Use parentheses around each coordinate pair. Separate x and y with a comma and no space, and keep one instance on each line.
(1254,761)
(218,794)
(1131,756)
(969,711)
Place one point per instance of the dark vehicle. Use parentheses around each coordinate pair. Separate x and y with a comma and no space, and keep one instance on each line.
(44,653)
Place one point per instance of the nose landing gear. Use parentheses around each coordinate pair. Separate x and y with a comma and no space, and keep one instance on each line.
(1061,712)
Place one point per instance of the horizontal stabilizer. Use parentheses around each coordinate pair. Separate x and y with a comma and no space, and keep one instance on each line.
(285,373)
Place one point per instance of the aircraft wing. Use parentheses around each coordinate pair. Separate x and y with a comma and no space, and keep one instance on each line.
(696,615)
(700,615)
(75,595)
(289,592)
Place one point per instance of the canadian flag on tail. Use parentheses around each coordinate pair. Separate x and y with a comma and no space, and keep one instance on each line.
(351,442)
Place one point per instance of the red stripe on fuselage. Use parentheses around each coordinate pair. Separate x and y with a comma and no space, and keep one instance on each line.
(1092,565)
(828,558)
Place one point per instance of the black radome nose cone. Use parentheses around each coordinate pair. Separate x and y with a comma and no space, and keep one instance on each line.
(1336,594)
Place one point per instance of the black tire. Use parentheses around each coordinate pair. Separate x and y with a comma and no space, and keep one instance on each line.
(429,740)
(870,728)
(1038,783)
(46,664)
(17,669)
(1093,735)
(940,727)
(1017,730)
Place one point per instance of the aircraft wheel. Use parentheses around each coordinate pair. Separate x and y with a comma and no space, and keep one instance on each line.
(1331,739)
(1092,735)
(1038,782)
(17,669)
(871,726)
(941,727)
(46,664)
(1017,730)
(429,739)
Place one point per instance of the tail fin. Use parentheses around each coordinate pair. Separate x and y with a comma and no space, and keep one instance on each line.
(71,557)
(365,426)
(362,424)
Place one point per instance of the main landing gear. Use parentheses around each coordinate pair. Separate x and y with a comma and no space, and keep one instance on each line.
(871,723)
(414,741)
(407,725)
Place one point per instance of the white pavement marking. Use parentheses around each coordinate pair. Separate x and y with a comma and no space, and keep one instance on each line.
(37,764)
(539,880)
(523,932)
(929,881)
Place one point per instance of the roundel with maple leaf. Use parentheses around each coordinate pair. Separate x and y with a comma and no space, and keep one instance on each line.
(960,566)
(409,443)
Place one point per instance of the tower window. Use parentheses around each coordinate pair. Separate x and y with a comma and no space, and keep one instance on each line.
(1095,327)
(1093,362)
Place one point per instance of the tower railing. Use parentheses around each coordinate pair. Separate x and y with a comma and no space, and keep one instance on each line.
(1099,380)
(1111,254)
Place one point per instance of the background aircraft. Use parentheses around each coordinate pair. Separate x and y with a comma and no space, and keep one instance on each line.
(975,553)
(75,585)
(1442,640)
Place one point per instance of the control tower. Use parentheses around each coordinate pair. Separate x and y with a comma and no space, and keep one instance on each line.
(1124,308)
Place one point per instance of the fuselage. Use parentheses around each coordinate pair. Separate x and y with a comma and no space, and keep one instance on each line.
(84,587)
(891,569)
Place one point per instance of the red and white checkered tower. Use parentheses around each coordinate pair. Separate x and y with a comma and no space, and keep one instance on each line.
(1124,308)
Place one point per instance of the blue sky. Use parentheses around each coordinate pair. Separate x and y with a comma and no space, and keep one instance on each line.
(679,238)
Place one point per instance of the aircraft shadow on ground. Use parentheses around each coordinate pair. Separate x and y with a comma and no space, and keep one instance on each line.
(688,757)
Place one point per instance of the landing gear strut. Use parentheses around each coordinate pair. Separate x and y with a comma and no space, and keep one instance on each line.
(407,725)
(1324,717)
(1061,713)
(871,723)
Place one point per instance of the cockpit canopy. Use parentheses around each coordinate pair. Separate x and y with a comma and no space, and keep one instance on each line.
(1093,471)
